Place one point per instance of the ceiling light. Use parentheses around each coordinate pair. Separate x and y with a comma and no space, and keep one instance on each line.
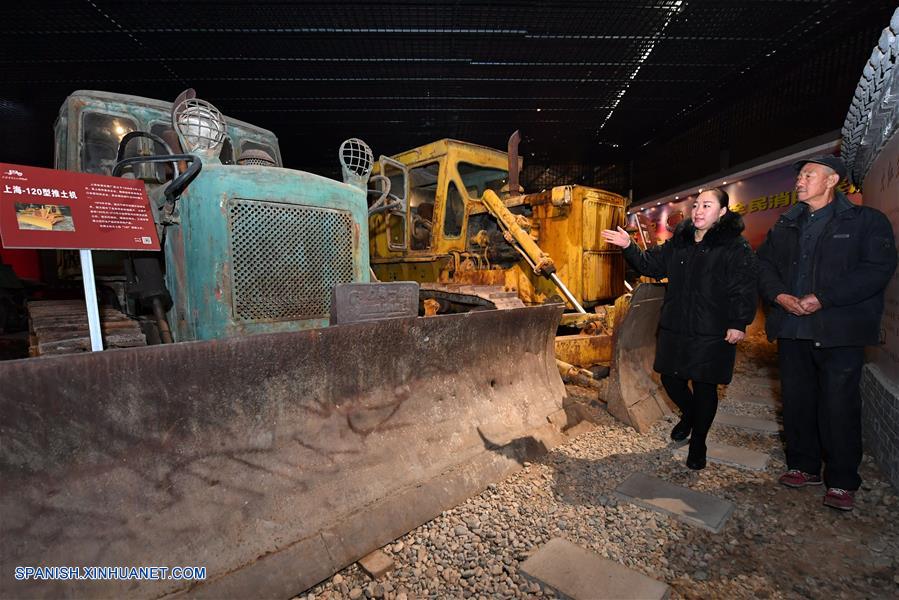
(539,109)
(723,183)
(677,197)
(700,190)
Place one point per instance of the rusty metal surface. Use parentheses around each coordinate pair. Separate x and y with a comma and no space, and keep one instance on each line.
(578,376)
(272,460)
(468,296)
(514,140)
(635,395)
(584,350)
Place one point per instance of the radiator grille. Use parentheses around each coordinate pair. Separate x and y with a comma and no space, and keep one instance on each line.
(286,259)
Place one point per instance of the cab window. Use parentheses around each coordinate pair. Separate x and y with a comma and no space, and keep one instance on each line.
(101,134)
(165,131)
(478,180)
(396,219)
(455,212)
(422,196)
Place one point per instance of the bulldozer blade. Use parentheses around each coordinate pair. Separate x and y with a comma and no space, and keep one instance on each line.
(635,395)
(271,461)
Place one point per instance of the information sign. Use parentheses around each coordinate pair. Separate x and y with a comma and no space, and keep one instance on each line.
(48,208)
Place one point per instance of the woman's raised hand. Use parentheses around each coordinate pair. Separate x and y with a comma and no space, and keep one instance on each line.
(618,237)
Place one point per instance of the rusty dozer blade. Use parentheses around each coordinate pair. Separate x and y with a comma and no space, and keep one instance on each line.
(271,460)
(635,395)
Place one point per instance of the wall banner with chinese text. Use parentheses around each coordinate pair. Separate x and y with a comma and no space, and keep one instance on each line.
(760,199)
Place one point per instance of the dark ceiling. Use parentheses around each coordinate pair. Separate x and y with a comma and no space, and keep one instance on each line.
(598,89)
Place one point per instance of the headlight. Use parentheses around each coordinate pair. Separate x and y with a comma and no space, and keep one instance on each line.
(200,125)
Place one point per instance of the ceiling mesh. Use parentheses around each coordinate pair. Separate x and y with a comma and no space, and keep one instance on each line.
(602,91)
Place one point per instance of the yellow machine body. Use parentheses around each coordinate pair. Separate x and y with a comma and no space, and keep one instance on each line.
(447,180)
(457,227)
(45,217)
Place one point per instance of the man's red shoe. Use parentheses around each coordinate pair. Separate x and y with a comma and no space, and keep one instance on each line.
(839,499)
(795,478)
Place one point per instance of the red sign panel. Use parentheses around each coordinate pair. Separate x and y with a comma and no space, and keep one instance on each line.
(46,208)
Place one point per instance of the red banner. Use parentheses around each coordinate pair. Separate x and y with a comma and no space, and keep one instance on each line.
(46,208)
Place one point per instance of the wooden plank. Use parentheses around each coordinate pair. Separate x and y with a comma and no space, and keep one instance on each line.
(60,327)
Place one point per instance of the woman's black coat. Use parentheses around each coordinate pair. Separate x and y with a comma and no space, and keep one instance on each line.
(711,288)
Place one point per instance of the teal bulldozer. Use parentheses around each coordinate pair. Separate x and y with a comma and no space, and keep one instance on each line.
(257,440)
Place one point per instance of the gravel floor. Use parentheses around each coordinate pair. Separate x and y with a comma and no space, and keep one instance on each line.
(779,543)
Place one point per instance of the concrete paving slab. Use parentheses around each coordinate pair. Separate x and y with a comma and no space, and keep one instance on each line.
(694,508)
(575,572)
(747,423)
(766,400)
(730,455)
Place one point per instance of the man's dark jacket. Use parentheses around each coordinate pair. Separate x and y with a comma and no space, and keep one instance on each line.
(853,262)
(711,288)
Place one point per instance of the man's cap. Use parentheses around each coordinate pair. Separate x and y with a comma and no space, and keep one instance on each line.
(828,160)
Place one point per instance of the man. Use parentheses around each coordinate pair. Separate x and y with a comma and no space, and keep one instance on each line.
(823,269)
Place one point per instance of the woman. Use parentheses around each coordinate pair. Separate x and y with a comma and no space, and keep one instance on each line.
(711,298)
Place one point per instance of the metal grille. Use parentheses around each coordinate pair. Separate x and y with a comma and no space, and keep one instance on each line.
(287,258)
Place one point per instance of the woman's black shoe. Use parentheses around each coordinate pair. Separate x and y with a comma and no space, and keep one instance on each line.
(696,464)
(681,431)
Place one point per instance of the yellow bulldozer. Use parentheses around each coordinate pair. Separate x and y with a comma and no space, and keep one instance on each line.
(42,216)
(452,216)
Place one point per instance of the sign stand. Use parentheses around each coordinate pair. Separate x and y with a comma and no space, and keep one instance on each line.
(90,299)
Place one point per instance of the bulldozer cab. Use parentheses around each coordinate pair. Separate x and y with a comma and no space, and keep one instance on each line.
(91,124)
(444,233)
(445,179)
(87,132)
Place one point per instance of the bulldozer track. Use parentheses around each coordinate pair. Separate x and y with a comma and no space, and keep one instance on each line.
(487,296)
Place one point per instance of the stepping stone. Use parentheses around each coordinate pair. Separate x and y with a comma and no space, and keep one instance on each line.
(747,423)
(730,455)
(764,400)
(577,573)
(694,508)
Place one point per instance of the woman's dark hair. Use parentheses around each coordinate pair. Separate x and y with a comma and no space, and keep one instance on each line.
(720,195)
